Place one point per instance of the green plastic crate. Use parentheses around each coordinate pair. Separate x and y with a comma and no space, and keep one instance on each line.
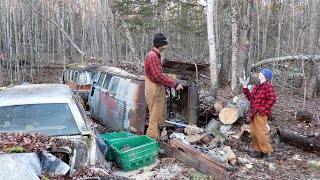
(142,152)
(113,137)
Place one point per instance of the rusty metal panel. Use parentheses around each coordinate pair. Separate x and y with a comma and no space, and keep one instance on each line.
(193,104)
(187,105)
(135,113)
(122,104)
(183,68)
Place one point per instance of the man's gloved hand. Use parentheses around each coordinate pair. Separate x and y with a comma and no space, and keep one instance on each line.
(244,81)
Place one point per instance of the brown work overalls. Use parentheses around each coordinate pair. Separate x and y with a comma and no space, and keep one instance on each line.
(156,100)
(259,134)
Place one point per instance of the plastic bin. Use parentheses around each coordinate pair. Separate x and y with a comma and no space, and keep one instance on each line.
(135,152)
(113,137)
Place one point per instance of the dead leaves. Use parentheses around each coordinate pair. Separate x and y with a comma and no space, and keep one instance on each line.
(30,142)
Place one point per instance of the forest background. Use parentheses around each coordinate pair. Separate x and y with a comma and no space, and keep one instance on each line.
(234,36)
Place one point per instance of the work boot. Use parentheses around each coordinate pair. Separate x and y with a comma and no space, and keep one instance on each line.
(269,156)
(256,154)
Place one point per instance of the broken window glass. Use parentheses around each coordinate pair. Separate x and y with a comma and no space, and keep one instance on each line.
(107,81)
(114,85)
(101,78)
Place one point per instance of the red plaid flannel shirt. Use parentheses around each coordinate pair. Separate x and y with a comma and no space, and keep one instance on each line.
(153,70)
(262,99)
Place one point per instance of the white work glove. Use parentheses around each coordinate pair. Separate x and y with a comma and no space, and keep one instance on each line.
(244,81)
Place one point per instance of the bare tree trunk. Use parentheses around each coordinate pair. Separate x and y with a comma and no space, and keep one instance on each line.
(9,39)
(64,33)
(265,31)
(258,30)
(311,68)
(16,46)
(212,50)
(244,38)
(227,44)
(71,22)
(234,60)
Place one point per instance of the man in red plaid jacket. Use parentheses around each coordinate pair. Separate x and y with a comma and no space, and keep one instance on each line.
(262,99)
(155,83)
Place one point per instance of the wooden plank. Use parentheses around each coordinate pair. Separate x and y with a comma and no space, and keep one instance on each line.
(199,164)
(194,152)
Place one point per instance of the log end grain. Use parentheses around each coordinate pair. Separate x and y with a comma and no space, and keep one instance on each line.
(228,115)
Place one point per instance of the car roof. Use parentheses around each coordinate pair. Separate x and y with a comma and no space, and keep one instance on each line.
(119,72)
(26,94)
(83,67)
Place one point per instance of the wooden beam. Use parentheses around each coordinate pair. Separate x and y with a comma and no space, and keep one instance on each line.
(192,157)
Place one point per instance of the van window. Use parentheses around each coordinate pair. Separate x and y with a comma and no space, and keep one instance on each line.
(101,78)
(71,75)
(84,78)
(107,81)
(65,76)
(68,75)
(122,88)
(76,76)
(113,85)
(96,77)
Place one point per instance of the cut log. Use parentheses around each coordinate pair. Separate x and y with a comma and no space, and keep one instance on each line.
(304,116)
(236,109)
(217,107)
(305,142)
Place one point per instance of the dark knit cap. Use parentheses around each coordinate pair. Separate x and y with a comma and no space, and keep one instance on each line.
(159,40)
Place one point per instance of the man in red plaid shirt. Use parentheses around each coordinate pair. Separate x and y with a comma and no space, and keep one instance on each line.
(155,83)
(262,99)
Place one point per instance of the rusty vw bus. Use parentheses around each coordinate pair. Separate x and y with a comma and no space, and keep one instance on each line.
(117,98)
(79,78)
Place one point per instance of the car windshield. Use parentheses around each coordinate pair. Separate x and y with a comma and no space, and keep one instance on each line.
(49,119)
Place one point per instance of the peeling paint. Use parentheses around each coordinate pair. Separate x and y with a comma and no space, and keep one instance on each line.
(117,99)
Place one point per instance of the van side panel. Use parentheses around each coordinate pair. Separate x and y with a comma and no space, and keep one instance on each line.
(72,85)
(107,112)
(135,112)
(120,104)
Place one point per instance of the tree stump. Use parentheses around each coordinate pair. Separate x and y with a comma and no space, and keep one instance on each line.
(236,109)
(299,140)
(304,116)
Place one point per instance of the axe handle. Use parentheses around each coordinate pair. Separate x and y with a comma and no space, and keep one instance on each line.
(185,125)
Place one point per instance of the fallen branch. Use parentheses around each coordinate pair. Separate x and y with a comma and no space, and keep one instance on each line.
(287,58)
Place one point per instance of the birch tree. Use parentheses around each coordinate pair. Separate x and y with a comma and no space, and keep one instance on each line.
(212,50)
